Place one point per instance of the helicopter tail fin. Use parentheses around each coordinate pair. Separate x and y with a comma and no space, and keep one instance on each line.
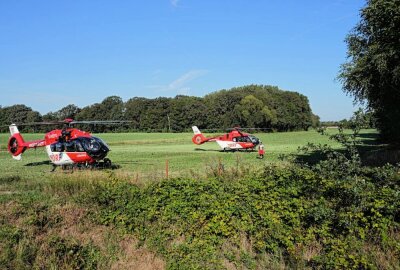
(198,137)
(196,130)
(16,144)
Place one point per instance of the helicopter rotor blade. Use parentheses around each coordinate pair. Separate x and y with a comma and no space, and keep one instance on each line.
(32,124)
(93,122)
(242,129)
(100,122)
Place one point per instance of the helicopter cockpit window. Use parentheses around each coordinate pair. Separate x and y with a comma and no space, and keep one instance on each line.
(78,146)
(93,146)
(70,146)
(243,139)
(57,147)
(90,144)
(254,139)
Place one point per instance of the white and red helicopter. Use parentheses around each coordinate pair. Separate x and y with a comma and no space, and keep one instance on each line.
(231,141)
(67,146)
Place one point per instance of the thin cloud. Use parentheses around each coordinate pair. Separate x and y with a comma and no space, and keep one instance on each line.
(174,2)
(179,85)
(185,78)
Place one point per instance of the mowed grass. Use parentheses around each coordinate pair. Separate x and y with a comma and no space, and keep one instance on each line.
(144,155)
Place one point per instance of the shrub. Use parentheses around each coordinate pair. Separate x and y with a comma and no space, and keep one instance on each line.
(281,209)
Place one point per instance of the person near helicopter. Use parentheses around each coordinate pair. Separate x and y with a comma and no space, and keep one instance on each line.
(261,150)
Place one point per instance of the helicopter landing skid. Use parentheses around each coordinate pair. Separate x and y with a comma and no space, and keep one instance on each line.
(98,165)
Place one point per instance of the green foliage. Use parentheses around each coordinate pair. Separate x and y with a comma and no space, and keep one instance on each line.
(281,209)
(253,113)
(25,245)
(315,122)
(20,251)
(18,114)
(9,236)
(255,106)
(111,108)
(361,119)
(69,111)
(68,253)
(372,73)
(262,106)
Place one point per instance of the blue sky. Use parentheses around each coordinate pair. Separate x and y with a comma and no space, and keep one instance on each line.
(55,53)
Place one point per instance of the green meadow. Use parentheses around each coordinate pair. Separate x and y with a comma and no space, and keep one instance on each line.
(145,155)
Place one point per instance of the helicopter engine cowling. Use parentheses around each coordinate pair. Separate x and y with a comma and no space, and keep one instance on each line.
(16,145)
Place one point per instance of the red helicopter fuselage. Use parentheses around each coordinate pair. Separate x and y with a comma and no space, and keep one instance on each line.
(64,146)
(234,140)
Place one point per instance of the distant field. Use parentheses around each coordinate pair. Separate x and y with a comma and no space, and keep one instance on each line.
(143,155)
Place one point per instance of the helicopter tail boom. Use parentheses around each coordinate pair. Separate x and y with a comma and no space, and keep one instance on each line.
(17,145)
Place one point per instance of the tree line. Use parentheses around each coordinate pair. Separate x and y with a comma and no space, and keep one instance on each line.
(362,118)
(255,106)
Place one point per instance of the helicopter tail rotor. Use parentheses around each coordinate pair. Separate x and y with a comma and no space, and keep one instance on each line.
(198,137)
(16,145)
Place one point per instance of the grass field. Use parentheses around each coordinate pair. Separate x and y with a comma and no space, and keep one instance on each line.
(144,155)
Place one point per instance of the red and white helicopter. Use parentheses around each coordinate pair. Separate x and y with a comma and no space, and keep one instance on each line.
(234,140)
(67,146)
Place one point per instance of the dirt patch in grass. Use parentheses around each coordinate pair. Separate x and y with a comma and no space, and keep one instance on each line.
(137,258)
(75,224)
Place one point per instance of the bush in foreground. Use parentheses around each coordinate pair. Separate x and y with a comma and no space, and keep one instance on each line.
(283,216)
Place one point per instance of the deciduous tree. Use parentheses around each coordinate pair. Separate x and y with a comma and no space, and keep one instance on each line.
(372,72)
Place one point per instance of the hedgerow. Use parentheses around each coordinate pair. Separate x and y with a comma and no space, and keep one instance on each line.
(313,220)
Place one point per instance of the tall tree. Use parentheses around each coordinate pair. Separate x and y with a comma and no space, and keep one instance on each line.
(135,110)
(372,73)
(187,111)
(112,108)
(19,114)
(69,111)
(253,113)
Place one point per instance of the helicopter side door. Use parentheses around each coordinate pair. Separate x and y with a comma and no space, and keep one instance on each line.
(66,153)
